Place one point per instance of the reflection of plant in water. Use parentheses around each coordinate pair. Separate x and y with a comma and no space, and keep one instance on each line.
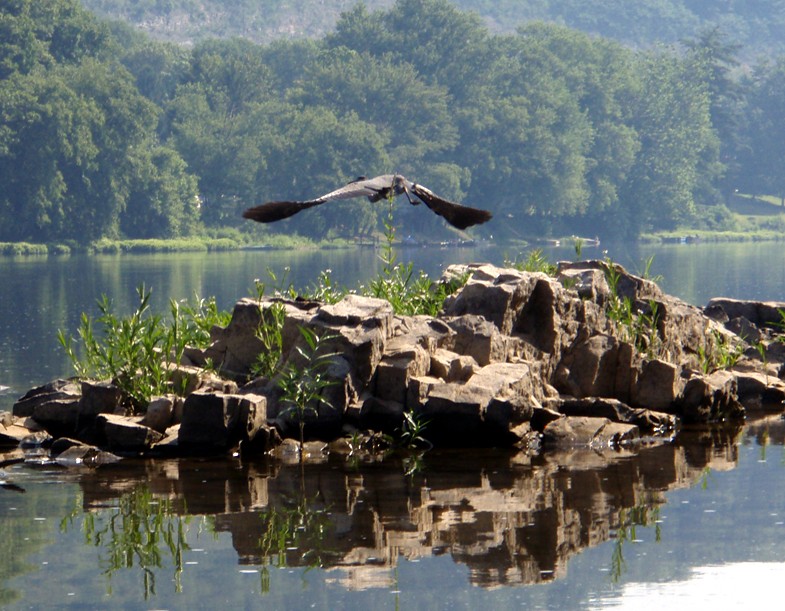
(629,520)
(413,464)
(412,439)
(137,533)
(300,528)
(705,477)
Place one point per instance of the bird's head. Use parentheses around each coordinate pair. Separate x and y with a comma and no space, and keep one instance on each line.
(401,185)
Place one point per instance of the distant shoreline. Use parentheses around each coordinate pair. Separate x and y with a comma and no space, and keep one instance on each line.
(205,244)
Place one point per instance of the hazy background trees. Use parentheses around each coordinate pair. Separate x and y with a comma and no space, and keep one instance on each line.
(105,132)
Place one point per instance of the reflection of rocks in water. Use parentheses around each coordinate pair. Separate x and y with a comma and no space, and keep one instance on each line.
(511,519)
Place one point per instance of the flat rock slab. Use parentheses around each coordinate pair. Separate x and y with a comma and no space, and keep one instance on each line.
(127,434)
(14,431)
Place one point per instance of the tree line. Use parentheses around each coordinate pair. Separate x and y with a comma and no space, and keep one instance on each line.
(107,133)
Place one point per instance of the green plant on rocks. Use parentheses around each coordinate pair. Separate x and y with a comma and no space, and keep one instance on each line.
(270,331)
(634,323)
(325,290)
(302,384)
(719,353)
(138,352)
(412,430)
(407,292)
(535,261)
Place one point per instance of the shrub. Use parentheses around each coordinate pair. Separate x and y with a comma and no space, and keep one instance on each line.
(138,352)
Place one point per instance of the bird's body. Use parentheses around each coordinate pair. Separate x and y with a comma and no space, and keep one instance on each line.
(375,189)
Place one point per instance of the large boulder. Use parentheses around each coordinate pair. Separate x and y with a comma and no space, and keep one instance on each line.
(600,365)
(235,349)
(101,397)
(360,327)
(213,421)
(709,398)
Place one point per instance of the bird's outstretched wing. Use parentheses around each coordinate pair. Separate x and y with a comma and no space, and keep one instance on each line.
(456,215)
(276,211)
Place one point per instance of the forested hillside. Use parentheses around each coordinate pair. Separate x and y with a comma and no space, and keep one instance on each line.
(756,25)
(106,133)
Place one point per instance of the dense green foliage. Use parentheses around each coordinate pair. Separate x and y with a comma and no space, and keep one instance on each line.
(79,155)
(139,352)
(106,134)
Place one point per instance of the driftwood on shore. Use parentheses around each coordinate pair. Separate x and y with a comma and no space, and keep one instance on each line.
(592,357)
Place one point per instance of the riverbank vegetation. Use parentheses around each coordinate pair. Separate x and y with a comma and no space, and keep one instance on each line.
(109,137)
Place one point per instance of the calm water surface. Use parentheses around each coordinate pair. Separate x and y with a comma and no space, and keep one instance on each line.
(701,519)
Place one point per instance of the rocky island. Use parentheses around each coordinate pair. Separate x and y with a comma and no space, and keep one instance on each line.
(592,356)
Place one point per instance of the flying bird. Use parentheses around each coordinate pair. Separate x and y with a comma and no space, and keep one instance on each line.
(375,189)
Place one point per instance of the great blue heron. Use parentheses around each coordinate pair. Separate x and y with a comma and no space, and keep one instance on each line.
(376,189)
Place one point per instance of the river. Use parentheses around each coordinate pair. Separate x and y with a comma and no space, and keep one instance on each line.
(661,524)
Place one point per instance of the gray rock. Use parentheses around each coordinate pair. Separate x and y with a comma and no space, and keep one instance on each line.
(476,337)
(658,386)
(759,313)
(588,431)
(127,434)
(15,430)
(216,422)
(396,368)
(60,390)
(646,420)
(160,413)
(85,456)
(61,444)
(60,417)
(514,354)
(378,414)
(99,398)
(708,398)
(759,391)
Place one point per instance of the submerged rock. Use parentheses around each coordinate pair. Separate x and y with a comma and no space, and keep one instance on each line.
(85,456)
